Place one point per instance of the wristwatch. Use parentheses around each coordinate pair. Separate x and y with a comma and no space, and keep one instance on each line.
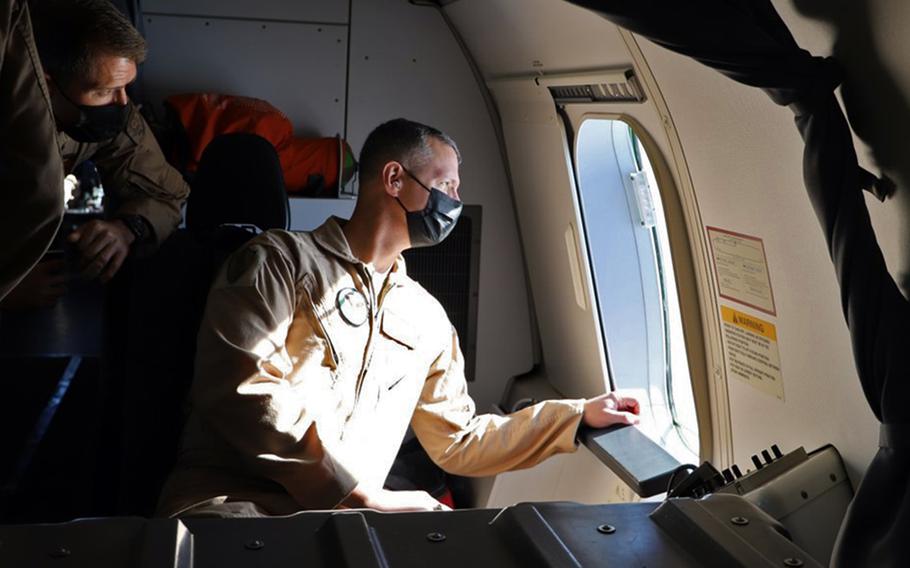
(137,225)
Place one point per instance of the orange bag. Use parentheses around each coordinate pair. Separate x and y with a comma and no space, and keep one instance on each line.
(206,115)
(311,165)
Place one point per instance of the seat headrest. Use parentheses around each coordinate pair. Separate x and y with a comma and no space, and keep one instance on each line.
(239,181)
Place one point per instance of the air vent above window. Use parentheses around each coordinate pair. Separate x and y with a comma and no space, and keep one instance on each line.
(614,86)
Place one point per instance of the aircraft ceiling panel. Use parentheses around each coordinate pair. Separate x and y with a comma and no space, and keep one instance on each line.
(298,68)
(316,11)
(509,37)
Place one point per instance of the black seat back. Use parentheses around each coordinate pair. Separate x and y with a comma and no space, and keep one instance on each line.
(239,183)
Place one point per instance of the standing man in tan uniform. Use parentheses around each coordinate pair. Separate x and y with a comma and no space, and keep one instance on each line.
(89,52)
(31,173)
(317,351)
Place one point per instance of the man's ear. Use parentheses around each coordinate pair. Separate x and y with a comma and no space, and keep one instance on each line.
(392,174)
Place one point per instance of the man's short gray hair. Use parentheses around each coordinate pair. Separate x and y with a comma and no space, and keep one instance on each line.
(400,140)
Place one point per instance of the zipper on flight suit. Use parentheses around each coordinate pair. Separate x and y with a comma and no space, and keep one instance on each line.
(375,310)
(374,316)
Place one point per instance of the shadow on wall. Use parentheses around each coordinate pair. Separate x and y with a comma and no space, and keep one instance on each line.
(877,108)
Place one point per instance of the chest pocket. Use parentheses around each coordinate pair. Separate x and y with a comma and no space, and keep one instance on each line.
(331,357)
(399,346)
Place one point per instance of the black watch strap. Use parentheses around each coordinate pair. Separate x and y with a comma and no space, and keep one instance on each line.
(137,225)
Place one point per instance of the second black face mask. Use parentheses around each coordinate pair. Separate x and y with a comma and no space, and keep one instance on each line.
(98,123)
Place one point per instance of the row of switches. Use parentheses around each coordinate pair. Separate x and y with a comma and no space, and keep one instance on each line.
(733,473)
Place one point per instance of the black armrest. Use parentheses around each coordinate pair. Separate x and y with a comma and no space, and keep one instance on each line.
(636,459)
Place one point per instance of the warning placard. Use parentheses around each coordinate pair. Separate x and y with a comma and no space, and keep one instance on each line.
(752,354)
(741,269)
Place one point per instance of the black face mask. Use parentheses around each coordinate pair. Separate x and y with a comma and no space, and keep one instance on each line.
(431,225)
(97,123)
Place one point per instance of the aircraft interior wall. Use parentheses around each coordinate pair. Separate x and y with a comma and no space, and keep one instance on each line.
(743,156)
(341,70)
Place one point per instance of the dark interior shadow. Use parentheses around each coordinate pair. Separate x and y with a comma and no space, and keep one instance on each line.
(878,110)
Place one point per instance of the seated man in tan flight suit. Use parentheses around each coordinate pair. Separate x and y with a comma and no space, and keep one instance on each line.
(89,52)
(316,352)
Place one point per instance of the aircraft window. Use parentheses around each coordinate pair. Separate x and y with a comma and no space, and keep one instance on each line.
(629,252)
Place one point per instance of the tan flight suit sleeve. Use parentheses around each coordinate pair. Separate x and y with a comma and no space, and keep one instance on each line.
(463,443)
(138,180)
(31,171)
(243,389)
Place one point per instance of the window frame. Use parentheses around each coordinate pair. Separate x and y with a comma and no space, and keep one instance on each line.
(573,115)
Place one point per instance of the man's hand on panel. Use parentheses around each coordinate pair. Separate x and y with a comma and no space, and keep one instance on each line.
(393,501)
(611,408)
(103,245)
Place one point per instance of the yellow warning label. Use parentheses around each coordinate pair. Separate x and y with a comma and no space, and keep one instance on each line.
(750,323)
(752,354)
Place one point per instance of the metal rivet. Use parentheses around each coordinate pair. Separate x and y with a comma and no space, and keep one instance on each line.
(606,529)
(794,562)
(254,545)
(740,521)
(436,537)
(61,552)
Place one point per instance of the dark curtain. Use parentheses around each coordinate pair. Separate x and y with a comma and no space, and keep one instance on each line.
(747,41)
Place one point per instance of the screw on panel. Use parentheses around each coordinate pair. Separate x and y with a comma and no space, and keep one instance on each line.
(740,521)
(61,552)
(254,545)
(793,562)
(436,537)
(606,529)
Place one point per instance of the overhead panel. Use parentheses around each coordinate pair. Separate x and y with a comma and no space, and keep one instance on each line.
(314,11)
(299,68)
(508,37)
